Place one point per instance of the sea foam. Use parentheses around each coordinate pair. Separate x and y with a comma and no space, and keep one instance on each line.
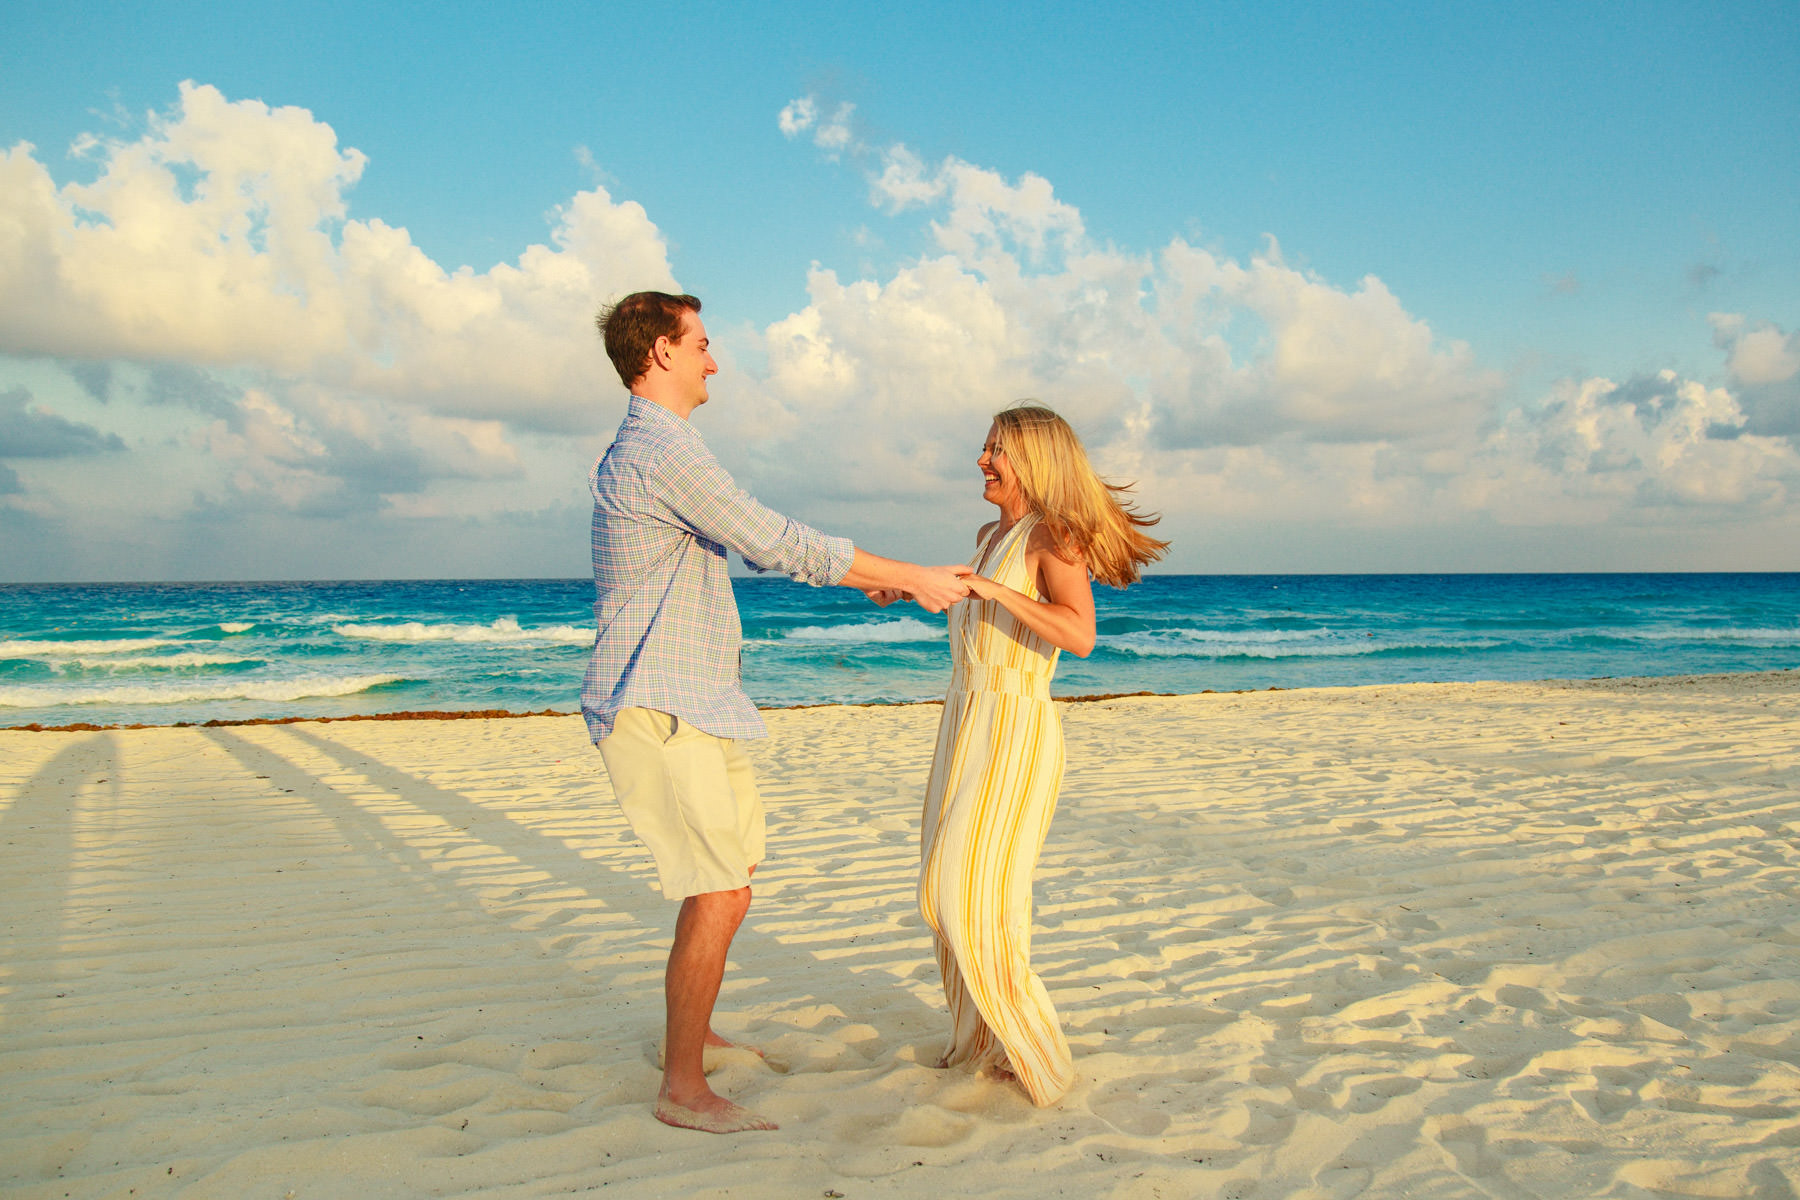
(165,662)
(266,690)
(43,647)
(501,631)
(906,629)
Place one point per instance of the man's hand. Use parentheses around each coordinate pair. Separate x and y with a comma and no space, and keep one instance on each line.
(980,586)
(932,588)
(885,596)
(937,588)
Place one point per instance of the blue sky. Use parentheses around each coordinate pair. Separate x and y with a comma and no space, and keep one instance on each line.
(1362,287)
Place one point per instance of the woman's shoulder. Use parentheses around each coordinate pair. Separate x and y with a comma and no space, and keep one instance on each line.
(981,535)
(1043,540)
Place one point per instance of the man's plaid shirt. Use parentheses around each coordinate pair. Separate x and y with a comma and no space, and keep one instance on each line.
(665,513)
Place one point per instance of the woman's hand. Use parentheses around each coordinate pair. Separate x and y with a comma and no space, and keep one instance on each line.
(980,586)
(1064,616)
(885,596)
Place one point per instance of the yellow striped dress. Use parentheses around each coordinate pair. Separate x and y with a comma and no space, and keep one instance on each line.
(994,780)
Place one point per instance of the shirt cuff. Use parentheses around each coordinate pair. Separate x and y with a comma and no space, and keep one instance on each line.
(840,555)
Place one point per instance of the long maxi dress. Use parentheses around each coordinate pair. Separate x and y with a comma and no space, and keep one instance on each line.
(994,781)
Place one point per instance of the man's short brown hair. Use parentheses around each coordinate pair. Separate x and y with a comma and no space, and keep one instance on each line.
(630,329)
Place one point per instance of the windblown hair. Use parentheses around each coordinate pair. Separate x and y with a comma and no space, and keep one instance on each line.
(1082,512)
(630,329)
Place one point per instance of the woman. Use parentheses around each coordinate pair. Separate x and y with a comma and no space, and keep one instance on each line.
(999,757)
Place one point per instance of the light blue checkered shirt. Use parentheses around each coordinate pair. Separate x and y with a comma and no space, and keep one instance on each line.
(665,513)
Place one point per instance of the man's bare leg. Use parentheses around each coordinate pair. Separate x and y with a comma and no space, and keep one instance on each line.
(703,934)
(711,1035)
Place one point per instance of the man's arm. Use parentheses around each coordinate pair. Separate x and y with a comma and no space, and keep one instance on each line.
(932,588)
(701,496)
(704,496)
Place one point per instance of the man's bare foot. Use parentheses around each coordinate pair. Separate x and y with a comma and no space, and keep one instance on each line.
(711,1114)
(715,1042)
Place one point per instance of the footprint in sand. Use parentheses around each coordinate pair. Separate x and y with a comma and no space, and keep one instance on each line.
(924,1126)
(1261,1124)
(1121,1105)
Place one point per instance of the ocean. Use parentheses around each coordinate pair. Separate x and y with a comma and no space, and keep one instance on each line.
(161,654)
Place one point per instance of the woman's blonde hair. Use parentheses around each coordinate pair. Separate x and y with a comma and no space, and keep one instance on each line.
(1084,514)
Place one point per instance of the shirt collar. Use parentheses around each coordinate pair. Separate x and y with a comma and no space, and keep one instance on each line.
(650,410)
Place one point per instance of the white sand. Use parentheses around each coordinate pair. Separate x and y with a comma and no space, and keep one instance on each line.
(1487,940)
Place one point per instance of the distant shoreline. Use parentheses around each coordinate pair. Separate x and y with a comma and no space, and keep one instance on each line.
(1610,682)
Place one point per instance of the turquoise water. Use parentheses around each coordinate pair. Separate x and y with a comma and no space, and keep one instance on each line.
(163,653)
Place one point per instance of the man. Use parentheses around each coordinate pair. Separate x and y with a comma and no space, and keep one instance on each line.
(662,697)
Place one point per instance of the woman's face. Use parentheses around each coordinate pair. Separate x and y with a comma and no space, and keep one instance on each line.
(1000,483)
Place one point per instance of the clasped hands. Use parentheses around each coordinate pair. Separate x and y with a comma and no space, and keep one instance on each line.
(936,589)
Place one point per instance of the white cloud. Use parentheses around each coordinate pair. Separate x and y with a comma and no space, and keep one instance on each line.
(1757,354)
(278,363)
(1261,351)
(1237,392)
(1594,449)
(986,213)
(222,237)
(798,116)
(1764,364)
(1155,357)
(832,135)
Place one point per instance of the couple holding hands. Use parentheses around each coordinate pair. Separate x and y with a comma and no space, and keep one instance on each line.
(665,704)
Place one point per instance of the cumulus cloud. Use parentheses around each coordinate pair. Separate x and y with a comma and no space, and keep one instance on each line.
(223,237)
(1237,390)
(1153,354)
(1764,364)
(1756,354)
(298,366)
(1594,448)
(1264,351)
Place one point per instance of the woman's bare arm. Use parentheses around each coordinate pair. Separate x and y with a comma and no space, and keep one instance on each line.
(1065,616)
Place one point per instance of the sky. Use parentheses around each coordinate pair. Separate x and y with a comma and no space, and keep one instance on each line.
(306,291)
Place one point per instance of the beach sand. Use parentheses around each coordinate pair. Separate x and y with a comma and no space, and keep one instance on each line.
(1437,940)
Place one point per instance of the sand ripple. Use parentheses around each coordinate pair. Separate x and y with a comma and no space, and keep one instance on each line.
(1434,940)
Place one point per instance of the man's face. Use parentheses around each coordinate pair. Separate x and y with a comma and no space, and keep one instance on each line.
(689,360)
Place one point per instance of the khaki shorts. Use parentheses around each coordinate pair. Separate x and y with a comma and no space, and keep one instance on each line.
(690,796)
